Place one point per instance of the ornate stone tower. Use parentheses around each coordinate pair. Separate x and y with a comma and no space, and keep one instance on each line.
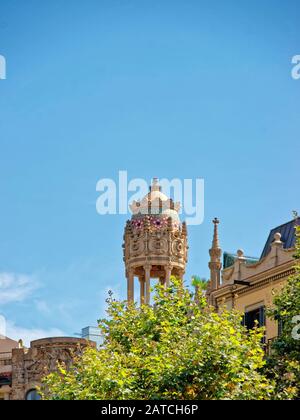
(155,242)
(215,264)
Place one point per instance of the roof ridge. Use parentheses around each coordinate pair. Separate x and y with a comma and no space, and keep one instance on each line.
(245,256)
(286,223)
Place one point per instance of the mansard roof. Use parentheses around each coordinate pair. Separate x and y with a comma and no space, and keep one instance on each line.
(287,231)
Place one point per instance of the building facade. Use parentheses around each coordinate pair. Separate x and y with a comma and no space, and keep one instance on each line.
(6,347)
(249,285)
(24,367)
(91,333)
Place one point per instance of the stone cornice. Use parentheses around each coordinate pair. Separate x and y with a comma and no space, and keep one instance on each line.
(257,281)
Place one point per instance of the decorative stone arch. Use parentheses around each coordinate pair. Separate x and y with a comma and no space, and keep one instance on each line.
(32,386)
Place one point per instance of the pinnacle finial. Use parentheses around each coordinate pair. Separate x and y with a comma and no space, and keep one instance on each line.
(215,242)
(155,181)
(215,253)
(155,185)
(277,240)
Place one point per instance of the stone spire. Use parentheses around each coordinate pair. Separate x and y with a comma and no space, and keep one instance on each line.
(215,258)
(215,242)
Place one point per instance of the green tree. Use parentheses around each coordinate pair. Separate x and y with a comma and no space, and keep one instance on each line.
(284,362)
(179,348)
(199,283)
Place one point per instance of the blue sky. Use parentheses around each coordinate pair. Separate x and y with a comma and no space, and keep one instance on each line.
(187,89)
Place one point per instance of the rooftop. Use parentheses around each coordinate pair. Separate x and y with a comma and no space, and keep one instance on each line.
(228,259)
(7,344)
(287,231)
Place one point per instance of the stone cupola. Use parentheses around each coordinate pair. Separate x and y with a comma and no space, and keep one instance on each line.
(155,242)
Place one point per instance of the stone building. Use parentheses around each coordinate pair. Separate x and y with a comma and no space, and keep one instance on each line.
(155,242)
(6,347)
(249,284)
(26,367)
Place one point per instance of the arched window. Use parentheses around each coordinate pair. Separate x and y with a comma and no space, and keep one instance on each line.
(33,395)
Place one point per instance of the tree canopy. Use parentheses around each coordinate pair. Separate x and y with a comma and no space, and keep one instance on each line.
(284,363)
(179,348)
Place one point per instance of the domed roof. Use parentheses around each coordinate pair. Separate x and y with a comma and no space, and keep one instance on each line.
(156,202)
(173,214)
(154,195)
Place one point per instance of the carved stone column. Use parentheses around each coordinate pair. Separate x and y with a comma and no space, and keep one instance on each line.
(147,269)
(142,290)
(130,286)
(168,270)
(162,281)
(181,275)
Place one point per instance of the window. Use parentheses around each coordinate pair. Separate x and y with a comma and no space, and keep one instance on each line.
(33,395)
(255,317)
(5,362)
(5,380)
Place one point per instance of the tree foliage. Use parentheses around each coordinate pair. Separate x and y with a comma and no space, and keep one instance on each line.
(284,363)
(179,348)
(199,283)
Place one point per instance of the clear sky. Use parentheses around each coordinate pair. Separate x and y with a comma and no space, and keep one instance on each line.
(188,89)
